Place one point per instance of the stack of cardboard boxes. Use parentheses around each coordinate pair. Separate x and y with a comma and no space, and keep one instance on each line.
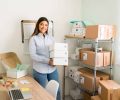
(97,32)
(109,90)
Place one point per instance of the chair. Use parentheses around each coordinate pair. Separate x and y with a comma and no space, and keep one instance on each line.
(52,88)
(9,60)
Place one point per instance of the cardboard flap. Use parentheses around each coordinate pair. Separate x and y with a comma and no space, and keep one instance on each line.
(10,59)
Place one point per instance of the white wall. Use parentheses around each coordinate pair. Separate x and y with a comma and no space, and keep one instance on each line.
(13,11)
(105,12)
(100,11)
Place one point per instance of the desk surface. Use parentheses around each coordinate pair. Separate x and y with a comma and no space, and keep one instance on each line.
(38,92)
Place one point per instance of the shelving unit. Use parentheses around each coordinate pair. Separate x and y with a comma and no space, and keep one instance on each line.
(95,68)
(75,40)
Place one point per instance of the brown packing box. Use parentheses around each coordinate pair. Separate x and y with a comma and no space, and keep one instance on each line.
(4,93)
(103,76)
(88,57)
(85,70)
(106,58)
(86,96)
(97,97)
(100,32)
(87,79)
(109,90)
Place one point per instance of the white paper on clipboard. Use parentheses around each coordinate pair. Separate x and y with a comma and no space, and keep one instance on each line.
(28,29)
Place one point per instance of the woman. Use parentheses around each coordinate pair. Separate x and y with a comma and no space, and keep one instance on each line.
(39,43)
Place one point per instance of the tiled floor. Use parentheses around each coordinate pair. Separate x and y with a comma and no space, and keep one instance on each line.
(68,98)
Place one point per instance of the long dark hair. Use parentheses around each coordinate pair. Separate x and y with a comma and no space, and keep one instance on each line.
(36,31)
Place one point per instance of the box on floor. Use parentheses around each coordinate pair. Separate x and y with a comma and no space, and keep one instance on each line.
(97,97)
(109,90)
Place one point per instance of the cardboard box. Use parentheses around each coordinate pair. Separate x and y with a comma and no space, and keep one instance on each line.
(59,46)
(9,60)
(103,76)
(100,32)
(88,57)
(4,93)
(60,61)
(97,97)
(109,90)
(58,53)
(87,79)
(86,96)
(106,58)
(14,73)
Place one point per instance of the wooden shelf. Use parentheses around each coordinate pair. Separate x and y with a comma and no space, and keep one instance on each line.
(73,36)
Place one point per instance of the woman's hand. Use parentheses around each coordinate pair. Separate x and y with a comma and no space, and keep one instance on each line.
(51,62)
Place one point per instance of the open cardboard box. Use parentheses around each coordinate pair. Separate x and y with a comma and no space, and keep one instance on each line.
(10,60)
(14,73)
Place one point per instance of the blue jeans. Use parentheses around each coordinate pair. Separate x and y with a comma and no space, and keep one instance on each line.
(42,79)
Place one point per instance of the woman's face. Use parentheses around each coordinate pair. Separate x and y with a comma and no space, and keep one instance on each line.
(43,27)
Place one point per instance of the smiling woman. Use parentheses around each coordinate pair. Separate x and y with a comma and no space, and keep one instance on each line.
(40,41)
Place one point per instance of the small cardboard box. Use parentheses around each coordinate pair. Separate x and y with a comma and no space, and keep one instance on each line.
(97,97)
(19,71)
(100,32)
(14,73)
(87,78)
(87,81)
(106,58)
(109,90)
(88,57)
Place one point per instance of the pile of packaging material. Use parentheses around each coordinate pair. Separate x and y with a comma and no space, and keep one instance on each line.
(76,94)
